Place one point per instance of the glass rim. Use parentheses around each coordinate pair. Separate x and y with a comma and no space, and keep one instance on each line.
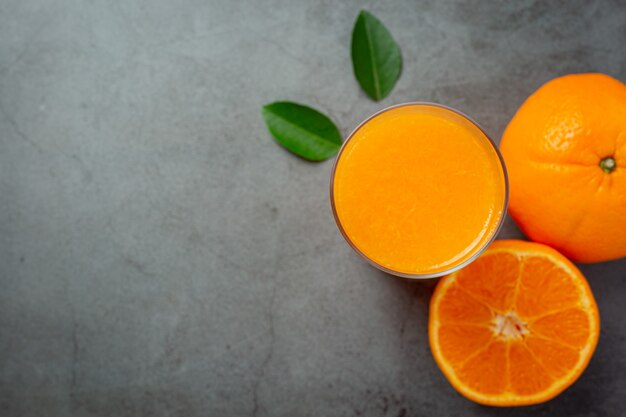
(455,268)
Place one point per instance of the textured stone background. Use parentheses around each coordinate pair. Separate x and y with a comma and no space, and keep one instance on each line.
(161,256)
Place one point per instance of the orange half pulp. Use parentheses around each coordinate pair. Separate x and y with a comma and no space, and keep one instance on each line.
(516,327)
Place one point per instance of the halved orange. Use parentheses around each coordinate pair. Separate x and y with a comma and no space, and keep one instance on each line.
(516,327)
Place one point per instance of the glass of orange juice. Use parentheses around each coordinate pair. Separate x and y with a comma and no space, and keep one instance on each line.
(419,190)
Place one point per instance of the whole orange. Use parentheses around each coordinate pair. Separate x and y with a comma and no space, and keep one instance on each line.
(565,151)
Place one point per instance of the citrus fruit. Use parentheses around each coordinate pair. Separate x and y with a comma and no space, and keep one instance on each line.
(515,327)
(565,152)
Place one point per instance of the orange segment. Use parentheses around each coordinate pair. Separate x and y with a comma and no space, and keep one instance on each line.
(486,371)
(459,342)
(527,376)
(516,327)
(542,284)
(464,309)
(556,358)
(570,327)
(497,286)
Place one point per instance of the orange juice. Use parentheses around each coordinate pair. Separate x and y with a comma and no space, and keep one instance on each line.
(419,190)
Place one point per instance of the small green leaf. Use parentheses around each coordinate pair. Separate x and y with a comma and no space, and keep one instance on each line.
(376,57)
(302,130)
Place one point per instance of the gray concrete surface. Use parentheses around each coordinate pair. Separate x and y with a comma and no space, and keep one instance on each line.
(160,255)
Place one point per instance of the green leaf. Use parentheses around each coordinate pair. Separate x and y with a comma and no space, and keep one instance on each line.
(302,130)
(376,57)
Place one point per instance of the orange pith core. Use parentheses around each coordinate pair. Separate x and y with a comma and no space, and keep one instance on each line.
(508,326)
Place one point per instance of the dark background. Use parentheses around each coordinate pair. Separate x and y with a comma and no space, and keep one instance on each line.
(160,255)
